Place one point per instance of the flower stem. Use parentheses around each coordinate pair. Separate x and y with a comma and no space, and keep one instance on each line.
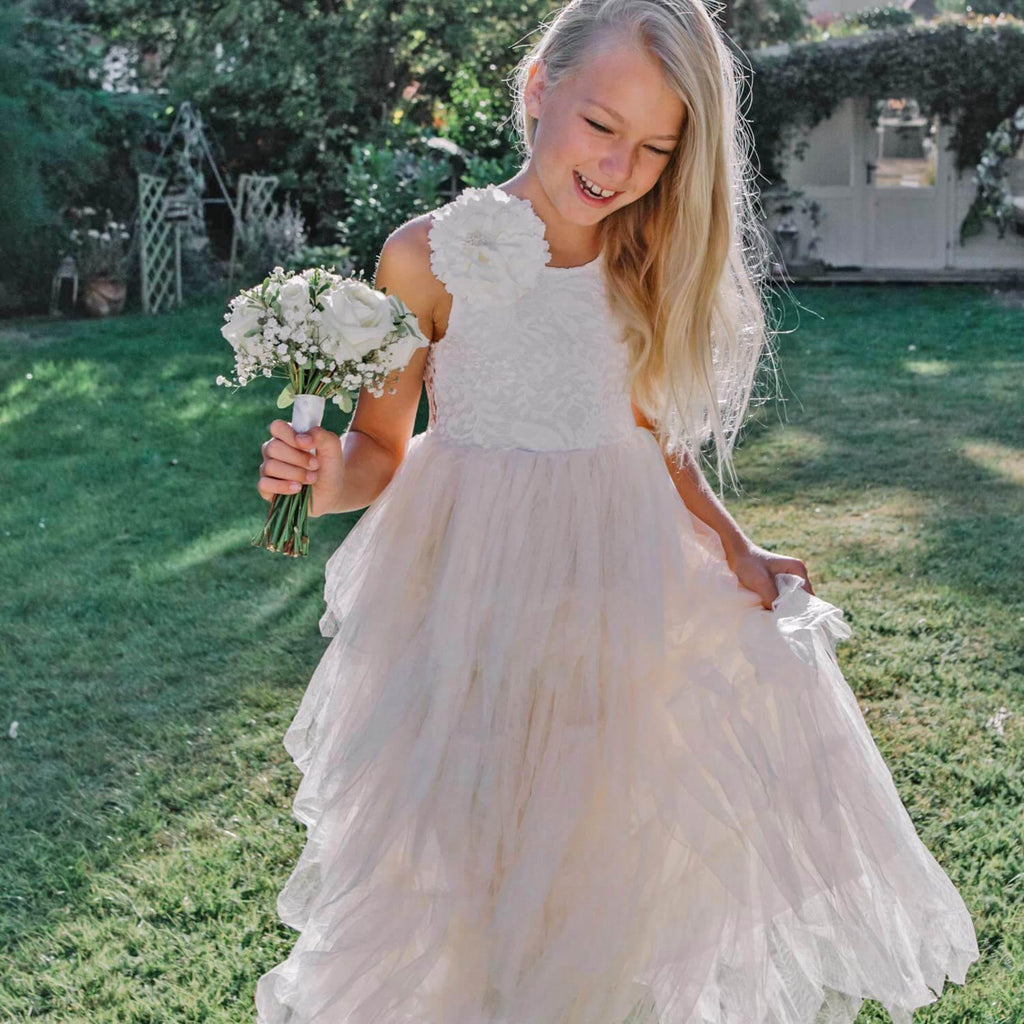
(285,528)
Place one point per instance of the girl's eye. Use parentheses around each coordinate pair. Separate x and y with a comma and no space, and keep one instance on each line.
(608,131)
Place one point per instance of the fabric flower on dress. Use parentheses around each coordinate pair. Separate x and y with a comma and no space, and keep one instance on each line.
(488,246)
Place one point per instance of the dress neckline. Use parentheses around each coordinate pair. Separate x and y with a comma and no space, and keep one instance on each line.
(592,264)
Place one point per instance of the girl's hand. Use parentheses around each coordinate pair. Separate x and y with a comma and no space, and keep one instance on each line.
(755,568)
(288,463)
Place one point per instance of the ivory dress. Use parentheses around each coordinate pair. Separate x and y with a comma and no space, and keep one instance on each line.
(559,767)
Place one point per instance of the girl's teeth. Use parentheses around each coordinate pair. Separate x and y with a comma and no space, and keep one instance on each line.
(592,189)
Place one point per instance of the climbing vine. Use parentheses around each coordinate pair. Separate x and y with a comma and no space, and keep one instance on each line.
(967,70)
(994,199)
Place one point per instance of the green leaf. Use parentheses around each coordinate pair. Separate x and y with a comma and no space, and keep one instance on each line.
(287,396)
(345,401)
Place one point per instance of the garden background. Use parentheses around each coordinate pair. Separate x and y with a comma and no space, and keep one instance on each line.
(150,659)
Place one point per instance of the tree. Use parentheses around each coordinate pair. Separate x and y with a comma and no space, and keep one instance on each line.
(288,86)
(57,126)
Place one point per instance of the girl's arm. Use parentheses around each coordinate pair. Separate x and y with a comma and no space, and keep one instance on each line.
(754,566)
(700,499)
(349,472)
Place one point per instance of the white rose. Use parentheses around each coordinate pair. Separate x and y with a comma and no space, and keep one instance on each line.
(243,319)
(397,355)
(356,319)
(294,299)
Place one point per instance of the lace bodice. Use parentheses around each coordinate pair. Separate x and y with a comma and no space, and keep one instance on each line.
(532,357)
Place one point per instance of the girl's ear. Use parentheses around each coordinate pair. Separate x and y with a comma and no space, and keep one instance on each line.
(534,91)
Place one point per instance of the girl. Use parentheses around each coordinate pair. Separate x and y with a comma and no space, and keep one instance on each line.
(580,751)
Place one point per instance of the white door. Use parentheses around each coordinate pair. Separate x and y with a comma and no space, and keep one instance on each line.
(906,168)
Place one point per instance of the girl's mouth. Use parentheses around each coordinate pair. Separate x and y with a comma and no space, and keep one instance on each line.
(589,196)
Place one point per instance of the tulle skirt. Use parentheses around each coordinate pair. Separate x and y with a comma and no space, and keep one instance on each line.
(559,767)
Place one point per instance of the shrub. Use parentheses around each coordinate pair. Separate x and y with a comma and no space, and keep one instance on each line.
(270,240)
(330,256)
(386,187)
(481,171)
(876,17)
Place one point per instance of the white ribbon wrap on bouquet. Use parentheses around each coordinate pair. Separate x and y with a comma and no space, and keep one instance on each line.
(307,413)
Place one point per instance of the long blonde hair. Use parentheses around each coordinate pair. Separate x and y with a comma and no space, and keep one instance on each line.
(686,262)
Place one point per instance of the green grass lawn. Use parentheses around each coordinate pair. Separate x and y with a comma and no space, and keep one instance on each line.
(153,659)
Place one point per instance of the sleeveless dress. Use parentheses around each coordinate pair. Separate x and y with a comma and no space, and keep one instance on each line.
(559,767)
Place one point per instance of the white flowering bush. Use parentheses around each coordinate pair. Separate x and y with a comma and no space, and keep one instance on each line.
(100,244)
(272,238)
(994,199)
(1001,145)
(327,337)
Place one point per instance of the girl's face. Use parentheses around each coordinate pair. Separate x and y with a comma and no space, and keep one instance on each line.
(605,134)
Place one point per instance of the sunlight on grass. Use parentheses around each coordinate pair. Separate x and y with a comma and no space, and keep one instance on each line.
(45,383)
(892,524)
(998,459)
(204,549)
(270,606)
(927,367)
(790,444)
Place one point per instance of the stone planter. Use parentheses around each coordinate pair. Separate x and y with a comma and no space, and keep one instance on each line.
(102,296)
(787,238)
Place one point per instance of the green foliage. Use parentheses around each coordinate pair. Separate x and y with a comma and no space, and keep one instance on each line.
(994,199)
(755,23)
(64,141)
(969,72)
(876,18)
(270,241)
(996,7)
(479,172)
(289,89)
(477,115)
(45,152)
(385,187)
(333,257)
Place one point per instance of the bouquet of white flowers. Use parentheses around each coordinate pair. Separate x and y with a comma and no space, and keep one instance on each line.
(327,336)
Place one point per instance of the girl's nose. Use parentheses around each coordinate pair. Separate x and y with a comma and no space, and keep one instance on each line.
(616,165)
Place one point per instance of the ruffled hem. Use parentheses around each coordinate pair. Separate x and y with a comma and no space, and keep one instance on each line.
(559,767)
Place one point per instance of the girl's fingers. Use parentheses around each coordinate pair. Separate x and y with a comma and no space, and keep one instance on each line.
(268,486)
(281,451)
(284,432)
(798,568)
(288,461)
(278,470)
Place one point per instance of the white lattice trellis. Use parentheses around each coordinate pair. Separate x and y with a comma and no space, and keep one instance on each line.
(161,266)
(253,204)
(171,208)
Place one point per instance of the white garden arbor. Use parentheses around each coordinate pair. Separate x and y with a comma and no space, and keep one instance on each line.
(171,208)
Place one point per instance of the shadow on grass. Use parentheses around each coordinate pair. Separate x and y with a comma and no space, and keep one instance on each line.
(924,408)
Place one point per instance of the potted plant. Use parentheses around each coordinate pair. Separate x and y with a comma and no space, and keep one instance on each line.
(785,209)
(101,248)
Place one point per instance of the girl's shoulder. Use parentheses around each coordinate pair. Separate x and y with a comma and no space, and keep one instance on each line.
(409,249)
(404,269)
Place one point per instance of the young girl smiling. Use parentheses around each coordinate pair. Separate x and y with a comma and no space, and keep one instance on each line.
(579,750)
